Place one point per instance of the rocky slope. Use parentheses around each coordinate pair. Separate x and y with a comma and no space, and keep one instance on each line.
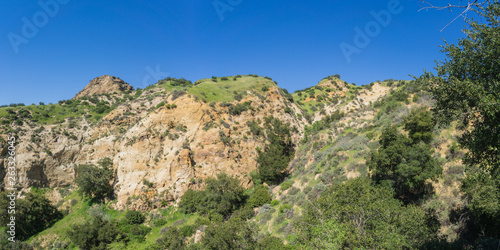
(162,140)
(104,85)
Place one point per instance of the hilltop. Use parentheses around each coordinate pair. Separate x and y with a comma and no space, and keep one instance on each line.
(104,85)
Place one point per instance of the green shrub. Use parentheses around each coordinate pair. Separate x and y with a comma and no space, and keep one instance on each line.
(245,213)
(161,104)
(387,223)
(271,243)
(171,238)
(134,217)
(293,191)
(240,108)
(260,196)
(180,82)
(96,233)
(187,230)
(275,202)
(403,164)
(221,196)
(233,234)
(255,129)
(33,214)
(138,232)
(420,125)
(159,222)
(95,182)
(274,159)
(286,185)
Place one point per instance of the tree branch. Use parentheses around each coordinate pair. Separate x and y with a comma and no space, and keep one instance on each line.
(470,4)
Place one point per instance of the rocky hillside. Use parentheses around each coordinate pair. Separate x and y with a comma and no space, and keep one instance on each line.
(174,135)
(161,140)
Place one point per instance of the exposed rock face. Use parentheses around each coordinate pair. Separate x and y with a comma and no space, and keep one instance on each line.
(160,144)
(104,85)
(158,152)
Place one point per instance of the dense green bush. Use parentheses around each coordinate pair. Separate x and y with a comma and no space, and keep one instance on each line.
(271,243)
(134,217)
(187,230)
(274,159)
(221,196)
(33,214)
(405,165)
(286,184)
(96,233)
(180,82)
(260,196)
(95,182)
(419,125)
(161,104)
(255,129)
(171,238)
(233,234)
(358,214)
(240,108)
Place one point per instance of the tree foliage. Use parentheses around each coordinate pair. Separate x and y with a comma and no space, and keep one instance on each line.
(468,87)
(260,196)
(171,238)
(466,90)
(233,234)
(134,217)
(222,195)
(95,182)
(404,164)
(33,214)
(419,125)
(274,159)
(96,233)
(358,214)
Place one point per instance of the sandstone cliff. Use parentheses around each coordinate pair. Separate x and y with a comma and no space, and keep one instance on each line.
(161,143)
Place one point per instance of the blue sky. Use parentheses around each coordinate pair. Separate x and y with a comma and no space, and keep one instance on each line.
(297,43)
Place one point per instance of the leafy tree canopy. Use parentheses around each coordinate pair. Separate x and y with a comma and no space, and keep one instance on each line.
(358,214)
(467,89)
(222,195)
(405,165)
(95,182)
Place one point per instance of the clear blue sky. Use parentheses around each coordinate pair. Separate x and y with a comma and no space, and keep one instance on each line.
(297,43)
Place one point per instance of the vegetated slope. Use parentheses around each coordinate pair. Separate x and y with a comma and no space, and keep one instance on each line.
(173,135)
(335,148)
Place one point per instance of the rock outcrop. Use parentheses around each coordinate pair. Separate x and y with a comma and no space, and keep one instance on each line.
(104,85)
